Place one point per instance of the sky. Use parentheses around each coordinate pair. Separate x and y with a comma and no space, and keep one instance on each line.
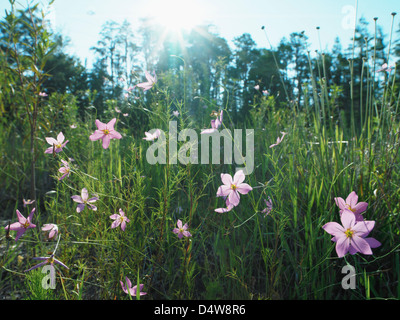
(81,20)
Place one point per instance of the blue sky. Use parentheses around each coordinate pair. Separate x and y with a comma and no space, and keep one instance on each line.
(81,20)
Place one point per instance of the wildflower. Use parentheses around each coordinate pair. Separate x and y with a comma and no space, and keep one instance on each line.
(215,123)
(265,92)
(83,200)
(64,170)
(56,145)
(47,260)
(125,114)
(105,132)
(22,225)
(268,209)
(181,230)
(119,219)
(27,202)
(232,187)
(351,235)
(132,290)
(73,126)
(385,67)
(117,110)
(52,230)
(176,113)
(43,94)
(228,208)
(352,204)
(278,140)
(152,136)
(257,87)
(151,81)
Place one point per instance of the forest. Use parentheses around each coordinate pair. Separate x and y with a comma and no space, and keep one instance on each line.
(111,225)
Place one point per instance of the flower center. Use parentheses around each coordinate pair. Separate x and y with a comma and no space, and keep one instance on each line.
(26,224)
(106,131)
(233,186)
(350,208)
(349,233)
(58,146)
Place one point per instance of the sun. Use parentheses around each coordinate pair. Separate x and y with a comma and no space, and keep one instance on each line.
(177,15)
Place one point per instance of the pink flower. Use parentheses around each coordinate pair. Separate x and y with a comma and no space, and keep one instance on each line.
(27,202)
(278,140)
(352,204)
(257,87)
(105,132)
(152,136)
(43,94)
(385,67)
(351,235)
(52,228)
(175,113)
(83,200)
(265,92)
(132,290)
(215,123)
(51,260)
(119,219)
(56,145)
(181,230)
(232,187)
(228,208)
(151,81)
(22,225)
(64,170)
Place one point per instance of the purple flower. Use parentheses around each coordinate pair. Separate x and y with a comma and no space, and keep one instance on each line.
(152,136)
(56,145)
(132,290)
(119,219)
(352,204)
(83,200)
(215,123)
(47,260)
(231,188)
(181,230)
(278,140)
(22,225)
(105,132)
(64,170)
(351,235)
(151,81)
(27,202)
(52,230)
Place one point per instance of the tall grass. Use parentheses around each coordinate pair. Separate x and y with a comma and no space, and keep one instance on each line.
(242,254)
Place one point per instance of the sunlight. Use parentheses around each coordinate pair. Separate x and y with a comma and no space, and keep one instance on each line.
(177,15)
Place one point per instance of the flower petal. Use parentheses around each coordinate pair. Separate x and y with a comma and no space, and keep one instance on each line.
(360,245)
(234,198)
(334,229)
(243,188)
(342,245)
(226,179)
(239,177)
